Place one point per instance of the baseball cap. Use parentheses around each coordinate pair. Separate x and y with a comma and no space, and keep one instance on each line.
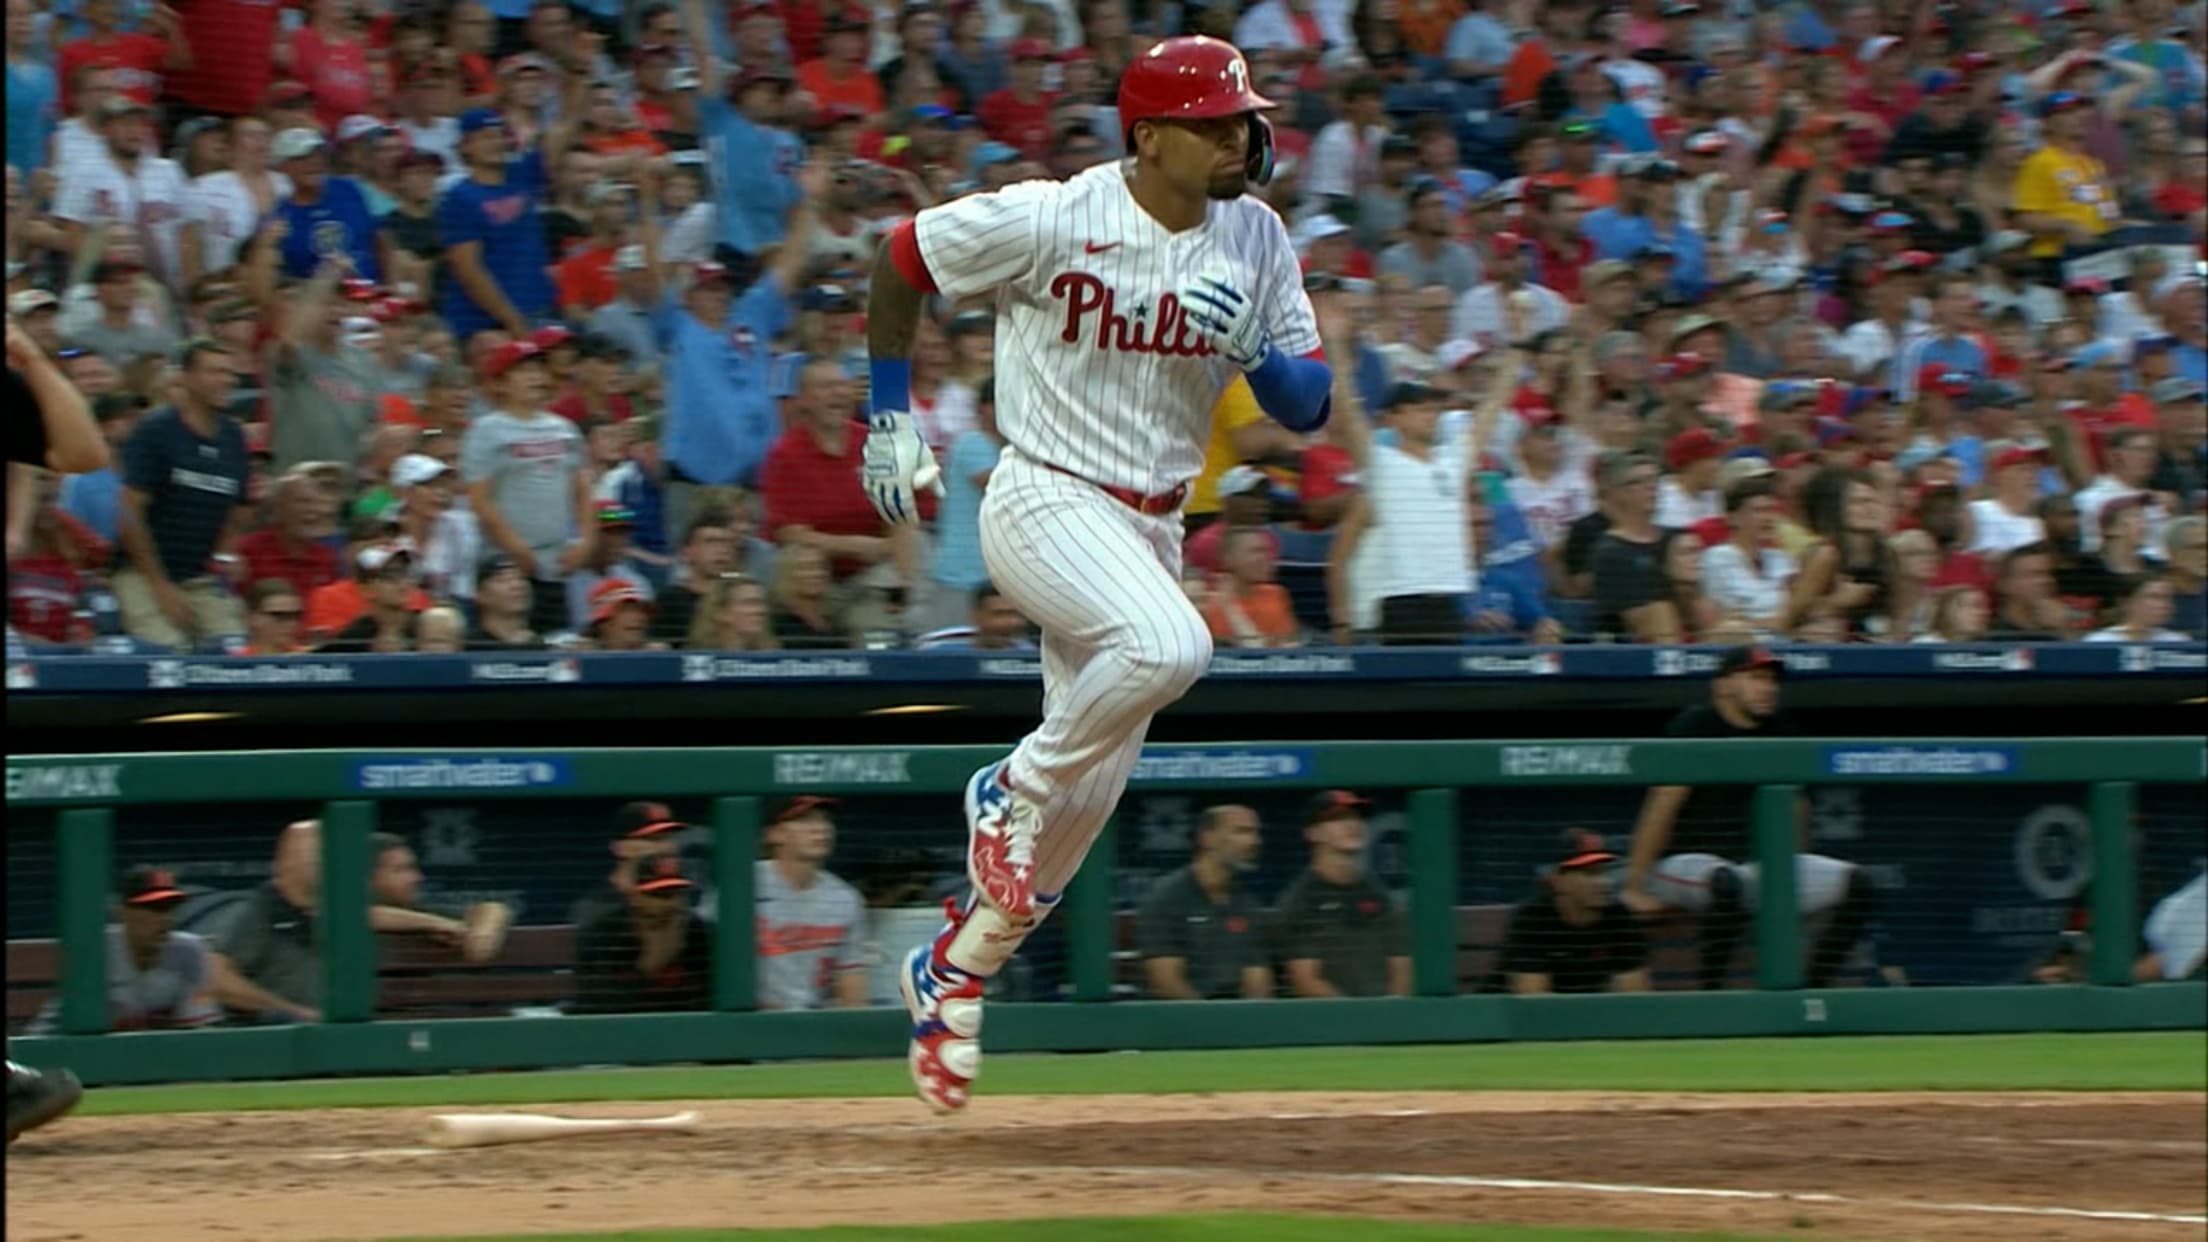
(1238,480)
(1993,395)
(506,357)
(375,557)
(354,128)
(2176,389)
(1582,848)
(1891,222)
(599,345)
(1320,227)
(295,143)
(1749,658)
(1946,381)
(607,598)
(1682,365)
(1706,142)
(662,873)
(711,273)
(30,301)
(121,105)
(415,469)
(151,888)
(523,61)
(1405,392)
(1692,324)
(1876,46)
(803,805)
(1604,270)
(1333,804)
(827,298)
(1692,445)
(418,157)
(1863,398)
(2152,343)
(1028,49)
(646,819)
(1459,353)
(494,564)
(2018,456)
(478,119)
(2062,101)
(551,338)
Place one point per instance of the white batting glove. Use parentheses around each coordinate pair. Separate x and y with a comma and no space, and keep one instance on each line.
(1226,316)
(897,466)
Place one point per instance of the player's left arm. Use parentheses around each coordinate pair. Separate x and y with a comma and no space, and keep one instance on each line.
(1268,329)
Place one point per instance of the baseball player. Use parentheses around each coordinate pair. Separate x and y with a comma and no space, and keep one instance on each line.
(1128,298)
(1744,702)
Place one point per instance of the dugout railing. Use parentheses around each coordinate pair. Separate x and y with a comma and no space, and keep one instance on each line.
(86,790)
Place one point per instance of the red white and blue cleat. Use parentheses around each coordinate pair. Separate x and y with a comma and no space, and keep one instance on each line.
(945,1004)
(1000,843)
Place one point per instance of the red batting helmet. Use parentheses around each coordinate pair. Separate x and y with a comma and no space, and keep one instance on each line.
(1193,78)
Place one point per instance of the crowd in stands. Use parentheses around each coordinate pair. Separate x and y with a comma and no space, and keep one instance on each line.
(521,323)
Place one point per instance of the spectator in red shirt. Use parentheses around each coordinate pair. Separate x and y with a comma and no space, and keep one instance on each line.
(811,481)
(840,75)
(137,59)
(290,548)
(1245,503)
(47,578)
(331,58)
(231,83)
(585,277)
(600,367)
(1019,115)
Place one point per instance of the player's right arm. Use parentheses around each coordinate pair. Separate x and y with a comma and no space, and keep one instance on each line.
(961,248)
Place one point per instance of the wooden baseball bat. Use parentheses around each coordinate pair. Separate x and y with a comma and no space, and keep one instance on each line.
(492,1129)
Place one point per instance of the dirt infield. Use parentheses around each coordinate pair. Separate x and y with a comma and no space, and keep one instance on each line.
(1887,1167)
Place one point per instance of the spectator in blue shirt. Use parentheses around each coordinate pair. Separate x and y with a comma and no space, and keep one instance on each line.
(1647,215)
(493,235)
(1944,344)
(325,215)
(1508,601)
(753,159)
(34,97)
(719,348)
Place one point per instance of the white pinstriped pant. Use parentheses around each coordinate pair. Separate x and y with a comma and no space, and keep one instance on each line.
(1120,642)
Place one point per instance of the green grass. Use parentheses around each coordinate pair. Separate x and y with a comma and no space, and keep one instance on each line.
(1219,1228)
(2144,1061)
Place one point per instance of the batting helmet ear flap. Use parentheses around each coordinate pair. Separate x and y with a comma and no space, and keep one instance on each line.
(1259,164)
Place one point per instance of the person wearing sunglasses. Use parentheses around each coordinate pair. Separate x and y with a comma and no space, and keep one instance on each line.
(273,612)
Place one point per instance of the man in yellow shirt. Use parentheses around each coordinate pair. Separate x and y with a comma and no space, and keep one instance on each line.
(1240,432)
(2063,196)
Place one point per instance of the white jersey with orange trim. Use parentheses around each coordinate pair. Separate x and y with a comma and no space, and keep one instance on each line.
(1097,372)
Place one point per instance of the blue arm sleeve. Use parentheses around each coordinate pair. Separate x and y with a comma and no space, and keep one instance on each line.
(1297,392)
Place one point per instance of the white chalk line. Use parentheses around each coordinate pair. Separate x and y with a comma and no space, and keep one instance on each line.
(378,1153)
(1460,1182)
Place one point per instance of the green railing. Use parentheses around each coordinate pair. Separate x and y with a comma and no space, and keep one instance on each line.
(87,788)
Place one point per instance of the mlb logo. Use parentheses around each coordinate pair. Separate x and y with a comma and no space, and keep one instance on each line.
(1547,664)
(2137,660)
(566,671)
(2017,660)
(697,668)
(165,675)
(1670,663)
(22,677)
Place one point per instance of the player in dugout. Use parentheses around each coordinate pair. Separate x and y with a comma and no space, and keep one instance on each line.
(49,428)
(1700,876)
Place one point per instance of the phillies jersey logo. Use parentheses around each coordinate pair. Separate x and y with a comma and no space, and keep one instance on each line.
(505,210)
(742,338)
(1165,333)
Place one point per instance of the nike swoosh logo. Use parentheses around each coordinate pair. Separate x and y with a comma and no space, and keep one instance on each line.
(1101,247)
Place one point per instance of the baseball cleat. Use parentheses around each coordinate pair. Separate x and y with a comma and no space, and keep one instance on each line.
(1000,844)
(945,1004)
(36,1097)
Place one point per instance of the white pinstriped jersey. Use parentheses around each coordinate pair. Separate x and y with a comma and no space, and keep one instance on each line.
(1097,372)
